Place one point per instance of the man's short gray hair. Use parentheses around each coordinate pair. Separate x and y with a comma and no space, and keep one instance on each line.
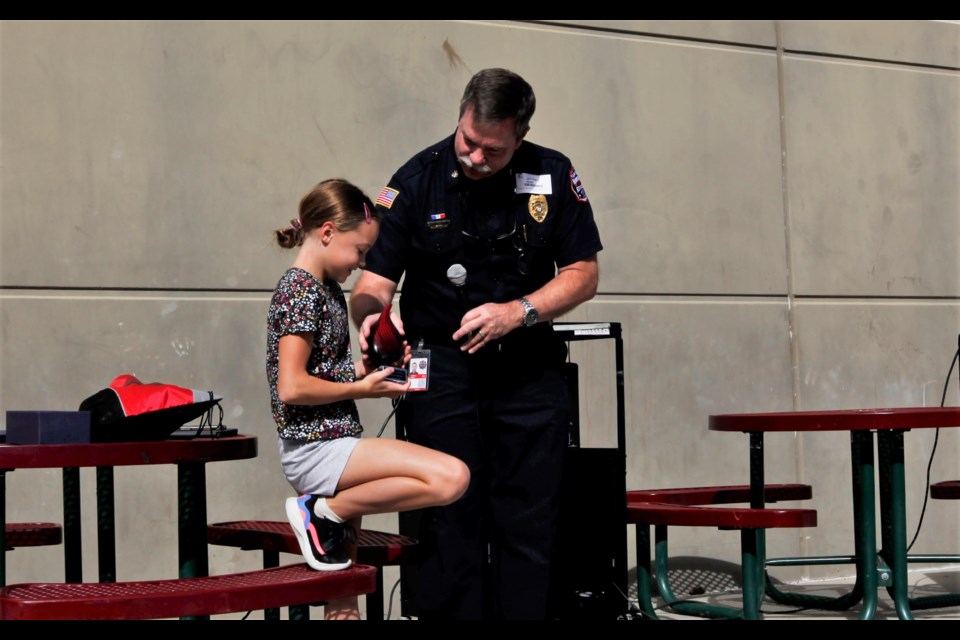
(497,95)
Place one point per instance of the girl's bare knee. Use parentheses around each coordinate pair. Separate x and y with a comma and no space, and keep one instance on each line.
(455,480)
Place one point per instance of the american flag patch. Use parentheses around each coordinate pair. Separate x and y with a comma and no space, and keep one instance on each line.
(438,216)
(386,197)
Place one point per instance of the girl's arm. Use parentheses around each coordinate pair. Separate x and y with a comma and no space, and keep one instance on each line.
(296,386)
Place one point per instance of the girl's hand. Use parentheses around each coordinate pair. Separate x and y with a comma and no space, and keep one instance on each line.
(376,385)
(365,366)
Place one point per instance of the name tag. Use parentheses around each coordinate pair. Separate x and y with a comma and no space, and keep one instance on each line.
(530,183)
(419,370)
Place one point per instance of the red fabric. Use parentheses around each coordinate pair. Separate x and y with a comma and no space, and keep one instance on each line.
(387,341)
(137,397)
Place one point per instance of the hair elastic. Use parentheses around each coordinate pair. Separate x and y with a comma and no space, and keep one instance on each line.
(296,225)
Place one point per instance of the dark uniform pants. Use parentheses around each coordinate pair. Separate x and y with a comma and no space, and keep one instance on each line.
(505,413)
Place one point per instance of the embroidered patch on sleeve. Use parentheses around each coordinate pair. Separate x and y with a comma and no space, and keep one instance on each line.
(576,186)
(386,197)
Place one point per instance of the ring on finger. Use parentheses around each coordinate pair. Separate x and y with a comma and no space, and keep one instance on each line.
(480,333)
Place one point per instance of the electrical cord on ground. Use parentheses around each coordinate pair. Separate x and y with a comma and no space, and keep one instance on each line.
(633,611)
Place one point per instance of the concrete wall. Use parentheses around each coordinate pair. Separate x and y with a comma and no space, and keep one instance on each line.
(779,204)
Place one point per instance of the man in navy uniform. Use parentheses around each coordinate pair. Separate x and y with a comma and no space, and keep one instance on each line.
(514,219)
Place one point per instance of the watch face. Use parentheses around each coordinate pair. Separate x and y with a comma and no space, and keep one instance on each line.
(531,318)
(530,315)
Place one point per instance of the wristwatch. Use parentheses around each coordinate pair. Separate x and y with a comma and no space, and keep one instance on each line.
(530,314)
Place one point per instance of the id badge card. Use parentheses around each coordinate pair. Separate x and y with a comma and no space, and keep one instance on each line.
(419,370)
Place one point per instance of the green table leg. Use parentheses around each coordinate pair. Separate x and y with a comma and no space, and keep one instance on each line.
(3,527)
(192,522)
(751,565)
(644,579)
(862,442)
(106,525)
(72,541)
(691,608)
(271,559)
(861,456)
(299,612)
(375,600)
(894,519)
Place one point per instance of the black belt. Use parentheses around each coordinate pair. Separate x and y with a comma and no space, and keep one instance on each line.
(536,341)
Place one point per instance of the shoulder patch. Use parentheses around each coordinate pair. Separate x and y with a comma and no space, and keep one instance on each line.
(386,197)
(576,186)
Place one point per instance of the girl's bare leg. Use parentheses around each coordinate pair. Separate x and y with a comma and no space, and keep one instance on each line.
(386,475)
(345,608)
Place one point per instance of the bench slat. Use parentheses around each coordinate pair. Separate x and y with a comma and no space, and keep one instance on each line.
(278,587)
(272,537)
(32,534)
(653,513)
(722,494)
(946,490)
(373,547)
(697,507)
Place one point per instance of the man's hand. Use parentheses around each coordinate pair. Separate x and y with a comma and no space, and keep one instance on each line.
(370,296)
(488,322)
(574,284)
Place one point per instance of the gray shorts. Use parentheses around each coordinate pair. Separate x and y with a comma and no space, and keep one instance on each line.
(315,467)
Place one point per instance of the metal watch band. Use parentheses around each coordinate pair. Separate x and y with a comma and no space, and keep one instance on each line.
(530,314)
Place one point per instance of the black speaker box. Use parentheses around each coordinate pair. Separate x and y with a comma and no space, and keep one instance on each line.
(589,581)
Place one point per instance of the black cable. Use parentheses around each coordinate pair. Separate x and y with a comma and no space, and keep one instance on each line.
(936,439)
(390,606)
(206,420)
(396,403)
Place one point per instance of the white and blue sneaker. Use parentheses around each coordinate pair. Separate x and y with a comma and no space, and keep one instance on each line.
(321,540)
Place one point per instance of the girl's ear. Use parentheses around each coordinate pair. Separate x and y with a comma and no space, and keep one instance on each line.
(326,232)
